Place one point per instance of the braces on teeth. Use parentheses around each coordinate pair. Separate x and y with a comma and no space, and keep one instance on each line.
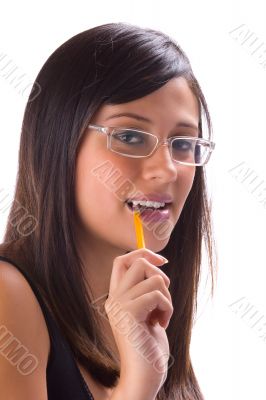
(154,204)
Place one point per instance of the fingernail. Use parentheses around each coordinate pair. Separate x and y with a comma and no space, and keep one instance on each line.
(164,259)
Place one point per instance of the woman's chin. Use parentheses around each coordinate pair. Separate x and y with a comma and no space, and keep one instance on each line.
(156,246)
(152,244)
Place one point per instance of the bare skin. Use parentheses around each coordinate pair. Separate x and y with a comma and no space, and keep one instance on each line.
(105,228)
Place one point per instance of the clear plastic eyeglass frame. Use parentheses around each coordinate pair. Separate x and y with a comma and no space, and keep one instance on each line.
(108,130)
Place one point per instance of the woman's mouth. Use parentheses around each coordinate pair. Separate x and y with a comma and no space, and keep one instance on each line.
(153,205)
(150,210)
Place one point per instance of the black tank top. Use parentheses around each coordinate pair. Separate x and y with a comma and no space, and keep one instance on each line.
(63,377)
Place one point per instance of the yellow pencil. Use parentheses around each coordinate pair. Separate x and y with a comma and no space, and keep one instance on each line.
(141,244)
(138,229)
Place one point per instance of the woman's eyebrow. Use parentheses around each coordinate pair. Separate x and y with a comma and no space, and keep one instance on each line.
(182,124)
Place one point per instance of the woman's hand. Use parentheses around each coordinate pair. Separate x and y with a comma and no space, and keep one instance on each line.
(139,295)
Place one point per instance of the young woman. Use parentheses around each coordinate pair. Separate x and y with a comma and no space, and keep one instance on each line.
(118,118)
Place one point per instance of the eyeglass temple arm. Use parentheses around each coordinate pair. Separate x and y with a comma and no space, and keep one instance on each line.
(101,129)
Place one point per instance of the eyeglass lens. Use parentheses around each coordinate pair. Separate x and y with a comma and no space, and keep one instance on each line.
(134,143)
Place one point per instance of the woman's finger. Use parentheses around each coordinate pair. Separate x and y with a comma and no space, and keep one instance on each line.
(142,306)
(122,263)
(153,282)
(140,270)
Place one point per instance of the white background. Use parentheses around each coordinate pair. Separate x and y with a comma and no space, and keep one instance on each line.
(229,356)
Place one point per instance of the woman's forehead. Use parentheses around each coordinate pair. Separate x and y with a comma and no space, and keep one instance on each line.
(174,99)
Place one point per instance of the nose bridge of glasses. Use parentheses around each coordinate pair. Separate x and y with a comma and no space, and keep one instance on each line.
(163,142)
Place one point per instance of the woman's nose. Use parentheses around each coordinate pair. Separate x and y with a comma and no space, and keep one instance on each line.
(160,164)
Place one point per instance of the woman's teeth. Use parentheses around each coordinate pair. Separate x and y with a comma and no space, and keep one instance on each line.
(144,203)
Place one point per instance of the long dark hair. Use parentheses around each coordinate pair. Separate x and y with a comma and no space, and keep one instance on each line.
(108,64)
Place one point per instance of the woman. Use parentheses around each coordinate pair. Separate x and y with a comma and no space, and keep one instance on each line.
(119,118)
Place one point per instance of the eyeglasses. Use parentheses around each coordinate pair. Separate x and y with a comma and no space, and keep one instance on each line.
(135,143)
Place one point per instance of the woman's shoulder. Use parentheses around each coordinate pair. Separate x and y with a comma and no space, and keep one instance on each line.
(25,318)
(21,314)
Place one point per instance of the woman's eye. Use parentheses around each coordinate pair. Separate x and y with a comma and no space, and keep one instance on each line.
(182,145)
(130,137)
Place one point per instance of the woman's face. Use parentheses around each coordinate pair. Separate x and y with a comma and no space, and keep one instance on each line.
(105,180)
